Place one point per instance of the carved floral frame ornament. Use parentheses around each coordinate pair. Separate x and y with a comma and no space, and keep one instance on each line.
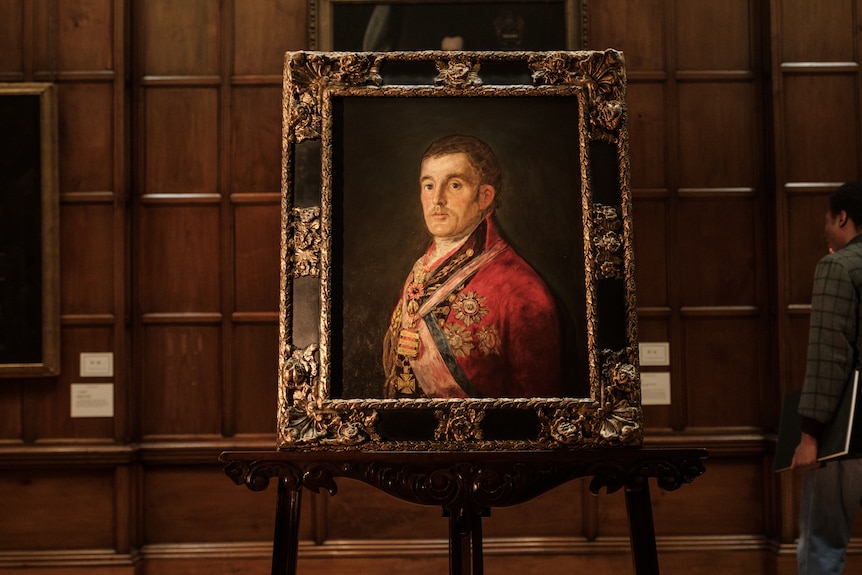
(308,417)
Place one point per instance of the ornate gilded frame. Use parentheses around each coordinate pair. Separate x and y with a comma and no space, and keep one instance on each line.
(309,417)
(30,236)
(322,16)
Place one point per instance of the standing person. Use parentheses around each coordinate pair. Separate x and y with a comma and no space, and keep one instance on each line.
(831,493)
(473,318)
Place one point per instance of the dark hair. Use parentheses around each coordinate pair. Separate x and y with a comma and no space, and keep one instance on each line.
(481,156)
(848,198)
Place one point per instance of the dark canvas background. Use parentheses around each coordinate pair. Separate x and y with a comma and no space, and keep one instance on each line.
(20,230)
(379,226)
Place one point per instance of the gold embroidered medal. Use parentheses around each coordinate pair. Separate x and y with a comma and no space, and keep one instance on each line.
(408,342)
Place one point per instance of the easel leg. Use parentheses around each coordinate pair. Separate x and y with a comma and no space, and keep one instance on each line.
(459,544)
(285,543)
(478,566)
(465,543)
(642,531)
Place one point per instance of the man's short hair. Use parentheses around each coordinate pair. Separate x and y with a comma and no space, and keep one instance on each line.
(848,198)
(481,156)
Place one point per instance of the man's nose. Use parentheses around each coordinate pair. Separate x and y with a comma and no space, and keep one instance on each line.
(439,196)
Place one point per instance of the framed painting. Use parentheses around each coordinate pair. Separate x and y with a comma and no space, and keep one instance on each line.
(29,231)
(457,267)
(399,25)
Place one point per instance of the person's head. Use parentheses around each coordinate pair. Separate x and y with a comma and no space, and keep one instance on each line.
(460,181)
(844,215)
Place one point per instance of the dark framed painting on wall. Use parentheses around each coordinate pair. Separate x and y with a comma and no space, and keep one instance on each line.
(457,267)
(29,231)
(409,25)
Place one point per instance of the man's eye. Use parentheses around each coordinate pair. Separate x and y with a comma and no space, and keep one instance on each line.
(455,185)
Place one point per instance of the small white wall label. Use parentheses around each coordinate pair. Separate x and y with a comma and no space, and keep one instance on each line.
(655,388)
(97,364)
(92,400)
(654,352)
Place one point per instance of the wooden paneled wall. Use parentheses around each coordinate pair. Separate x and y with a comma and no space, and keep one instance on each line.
(743,115)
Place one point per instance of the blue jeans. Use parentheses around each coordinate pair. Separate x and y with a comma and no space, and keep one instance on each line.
(830,497)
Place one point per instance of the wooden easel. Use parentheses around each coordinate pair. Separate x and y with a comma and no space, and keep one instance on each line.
(467,486)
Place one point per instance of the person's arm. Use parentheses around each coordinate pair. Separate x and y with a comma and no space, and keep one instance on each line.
(831,341)
(831,344)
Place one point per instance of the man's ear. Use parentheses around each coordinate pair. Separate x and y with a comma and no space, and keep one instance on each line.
(843,218)
(487,193)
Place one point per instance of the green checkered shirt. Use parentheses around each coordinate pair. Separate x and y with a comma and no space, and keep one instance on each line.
(833,334)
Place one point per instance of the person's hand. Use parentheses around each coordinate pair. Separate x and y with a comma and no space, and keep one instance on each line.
(805,455)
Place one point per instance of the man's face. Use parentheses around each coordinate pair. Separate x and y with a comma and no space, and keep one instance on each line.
(453,201)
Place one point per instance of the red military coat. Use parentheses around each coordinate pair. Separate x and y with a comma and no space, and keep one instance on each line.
(478,323)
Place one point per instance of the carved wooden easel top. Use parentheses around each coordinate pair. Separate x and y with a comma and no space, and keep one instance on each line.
(467,485)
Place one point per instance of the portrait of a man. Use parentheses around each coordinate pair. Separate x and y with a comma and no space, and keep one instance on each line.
(473,318)
(515,325)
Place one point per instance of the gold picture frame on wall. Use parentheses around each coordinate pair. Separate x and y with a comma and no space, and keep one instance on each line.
(29,231)
(456,357)
(401,25)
